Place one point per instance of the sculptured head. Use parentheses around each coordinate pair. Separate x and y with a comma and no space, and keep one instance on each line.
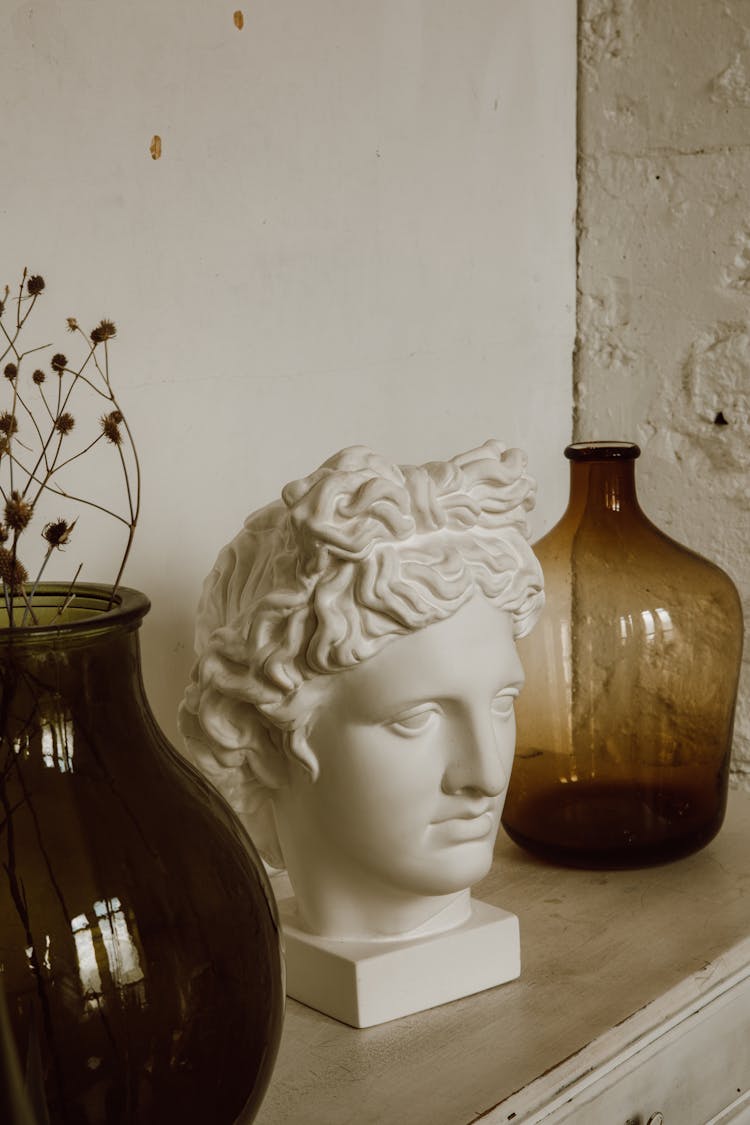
(353,691)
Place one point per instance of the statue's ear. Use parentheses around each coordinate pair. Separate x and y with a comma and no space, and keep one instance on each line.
(235,725)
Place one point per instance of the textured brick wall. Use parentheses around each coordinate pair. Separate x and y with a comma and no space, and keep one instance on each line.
(663,354)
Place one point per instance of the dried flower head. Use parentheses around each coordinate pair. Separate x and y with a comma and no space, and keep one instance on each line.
(104,330)
(111,426)
(12,572)
(57,533)
(64,423)
(17,512)
(31,461)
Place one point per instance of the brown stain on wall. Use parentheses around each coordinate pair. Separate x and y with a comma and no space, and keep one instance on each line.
(155,148)
(239,20)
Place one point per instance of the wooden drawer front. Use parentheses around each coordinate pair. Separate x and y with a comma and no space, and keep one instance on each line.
(687,1057)
(690,1074)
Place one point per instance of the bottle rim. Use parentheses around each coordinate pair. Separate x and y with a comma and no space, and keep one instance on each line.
(93,610)
(602,451)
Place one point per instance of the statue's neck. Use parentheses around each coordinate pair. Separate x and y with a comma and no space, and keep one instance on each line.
(372,918)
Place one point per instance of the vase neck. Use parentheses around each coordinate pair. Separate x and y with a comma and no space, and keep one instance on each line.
(91,680)
(605,487)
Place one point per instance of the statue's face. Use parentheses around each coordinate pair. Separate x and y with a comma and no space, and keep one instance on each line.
(415,747)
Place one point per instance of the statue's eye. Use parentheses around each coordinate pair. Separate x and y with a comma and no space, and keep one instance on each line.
(502,704)
(414,722)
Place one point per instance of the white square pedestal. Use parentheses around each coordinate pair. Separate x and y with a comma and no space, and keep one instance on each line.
(367,983)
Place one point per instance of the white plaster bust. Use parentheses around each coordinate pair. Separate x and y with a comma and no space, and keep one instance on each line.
(353,691)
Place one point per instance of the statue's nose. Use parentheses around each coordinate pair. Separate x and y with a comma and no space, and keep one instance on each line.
(478,757)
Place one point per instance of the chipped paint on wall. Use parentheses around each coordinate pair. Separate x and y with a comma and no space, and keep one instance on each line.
(717,381)
(732,85)
(737,273)
(604,30)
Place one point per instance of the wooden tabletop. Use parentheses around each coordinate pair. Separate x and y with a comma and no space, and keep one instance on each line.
(595,948)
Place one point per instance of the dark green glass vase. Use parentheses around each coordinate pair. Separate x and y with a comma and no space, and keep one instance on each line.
(139,943)
(15,1108)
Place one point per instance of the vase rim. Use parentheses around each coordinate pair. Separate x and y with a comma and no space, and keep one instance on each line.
(91,600)
(602,451)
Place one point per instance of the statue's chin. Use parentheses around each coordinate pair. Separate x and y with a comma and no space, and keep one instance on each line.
(456,868)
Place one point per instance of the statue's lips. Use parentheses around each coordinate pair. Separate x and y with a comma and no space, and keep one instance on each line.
(467,826)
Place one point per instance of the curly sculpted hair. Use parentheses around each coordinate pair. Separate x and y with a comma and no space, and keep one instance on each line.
(352,556)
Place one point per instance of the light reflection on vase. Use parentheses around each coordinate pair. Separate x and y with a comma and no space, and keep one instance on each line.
(139,944)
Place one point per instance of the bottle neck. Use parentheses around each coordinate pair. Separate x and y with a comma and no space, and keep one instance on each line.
(605,488)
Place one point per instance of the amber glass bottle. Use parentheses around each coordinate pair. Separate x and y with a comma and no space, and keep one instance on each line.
(625,723)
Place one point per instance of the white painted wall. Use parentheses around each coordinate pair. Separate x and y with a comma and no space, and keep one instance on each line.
(360,230)
(664,344)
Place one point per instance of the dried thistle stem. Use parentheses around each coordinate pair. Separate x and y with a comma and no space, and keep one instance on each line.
(51,427)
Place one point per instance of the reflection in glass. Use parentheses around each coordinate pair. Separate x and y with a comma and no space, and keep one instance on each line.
(122,955)
(665,620)
(57,743)
(109,931)
(88,969)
